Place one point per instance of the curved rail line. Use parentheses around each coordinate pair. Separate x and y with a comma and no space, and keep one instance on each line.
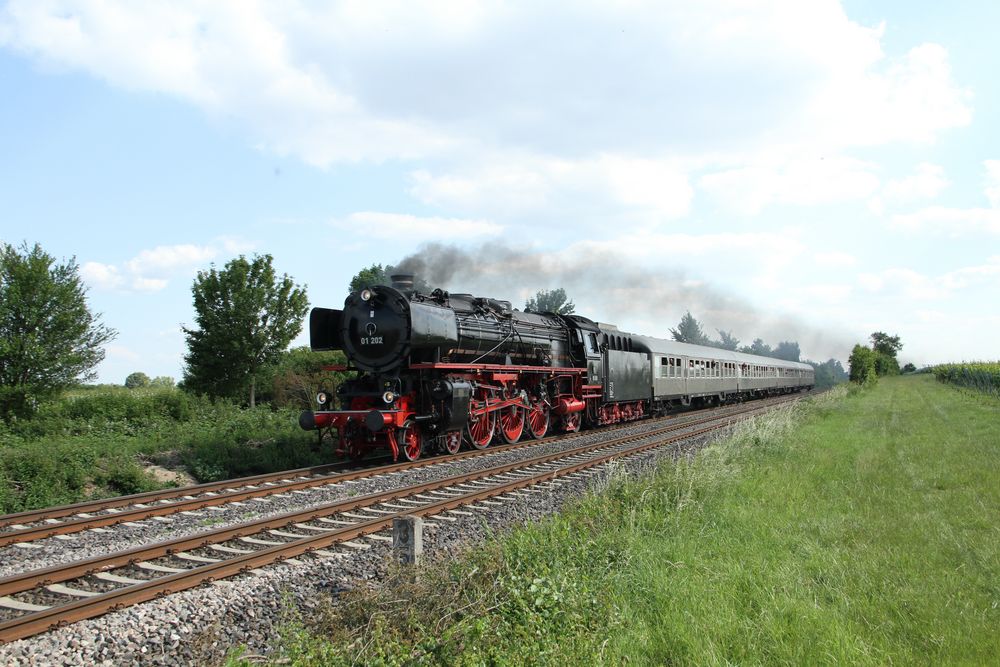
(316,529)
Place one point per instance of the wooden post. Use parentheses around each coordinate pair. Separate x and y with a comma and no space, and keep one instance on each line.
(408,539)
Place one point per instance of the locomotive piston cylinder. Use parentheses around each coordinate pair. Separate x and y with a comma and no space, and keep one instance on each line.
(568,405)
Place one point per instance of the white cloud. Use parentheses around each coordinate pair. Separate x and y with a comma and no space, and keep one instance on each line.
(168,258)
(954,222)
(102,276)
(520,183)
(748,189)
(151,270)
(835,259)
(993,182)
(910,100)
(826,293)
(927,182)
(403,80)
(958,222)
(920,287)
(398,225)
(141,284)
(585,110)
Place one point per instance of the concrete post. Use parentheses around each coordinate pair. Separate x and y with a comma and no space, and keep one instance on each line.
(408,539)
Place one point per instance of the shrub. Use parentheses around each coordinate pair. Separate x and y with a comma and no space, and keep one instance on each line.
(863,365)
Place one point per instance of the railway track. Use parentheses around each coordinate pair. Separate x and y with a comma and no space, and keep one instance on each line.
(39,600)
(24,527)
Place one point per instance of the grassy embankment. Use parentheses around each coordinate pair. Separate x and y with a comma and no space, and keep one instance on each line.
(860,528)
(94,441)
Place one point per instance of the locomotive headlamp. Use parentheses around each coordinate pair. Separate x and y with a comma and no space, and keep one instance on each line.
(366,295)
(388,397)
(322,398)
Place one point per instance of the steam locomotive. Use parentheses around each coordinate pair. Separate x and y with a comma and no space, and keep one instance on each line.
(438,371)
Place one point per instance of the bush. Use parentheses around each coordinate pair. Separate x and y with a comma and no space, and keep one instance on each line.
(863,365)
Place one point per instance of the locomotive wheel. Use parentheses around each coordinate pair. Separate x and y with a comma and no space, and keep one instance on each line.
(512,424)
(410,441)
(352,443)
(538,420)
(571,423)
(479,431)
(451,441)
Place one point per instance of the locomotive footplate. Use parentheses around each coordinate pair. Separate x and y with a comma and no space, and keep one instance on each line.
(496,368)
(340,418)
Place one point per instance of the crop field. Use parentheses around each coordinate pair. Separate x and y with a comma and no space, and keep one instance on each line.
(860,527)
(982,376)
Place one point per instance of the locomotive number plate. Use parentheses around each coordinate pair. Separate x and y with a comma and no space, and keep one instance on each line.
(371,340)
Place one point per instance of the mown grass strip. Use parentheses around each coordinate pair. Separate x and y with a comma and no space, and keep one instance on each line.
(861,528)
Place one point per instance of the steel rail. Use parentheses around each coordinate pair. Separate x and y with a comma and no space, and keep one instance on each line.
(243,489)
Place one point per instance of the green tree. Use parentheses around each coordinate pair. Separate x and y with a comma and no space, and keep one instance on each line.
(909,368)
(886,344)
(246,317)
(162,382)
(137,380)
(862,365)
(727,341)
(49,339)
(550,301)
(787,350)
(828,373)
(758,347)
(885,348)
(376,274)
(300,373)
(689,331)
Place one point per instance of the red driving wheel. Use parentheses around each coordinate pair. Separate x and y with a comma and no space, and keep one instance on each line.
(512,423)
(410,441)
(538,419)
(479,430)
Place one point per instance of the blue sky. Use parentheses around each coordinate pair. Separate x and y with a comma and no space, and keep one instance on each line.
(797,170)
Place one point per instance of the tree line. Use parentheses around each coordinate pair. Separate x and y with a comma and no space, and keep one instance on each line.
(246,315)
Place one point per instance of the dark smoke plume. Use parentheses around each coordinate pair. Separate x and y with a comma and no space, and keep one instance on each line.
(609,288)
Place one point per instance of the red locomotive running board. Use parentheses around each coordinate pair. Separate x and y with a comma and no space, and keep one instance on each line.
(554,370)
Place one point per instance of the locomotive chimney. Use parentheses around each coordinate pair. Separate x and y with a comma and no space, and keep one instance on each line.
(403,282)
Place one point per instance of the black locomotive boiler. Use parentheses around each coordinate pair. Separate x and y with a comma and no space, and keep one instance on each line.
(436,371)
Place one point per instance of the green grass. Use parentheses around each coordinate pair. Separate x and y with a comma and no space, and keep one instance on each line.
(860,528)
(92,443)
